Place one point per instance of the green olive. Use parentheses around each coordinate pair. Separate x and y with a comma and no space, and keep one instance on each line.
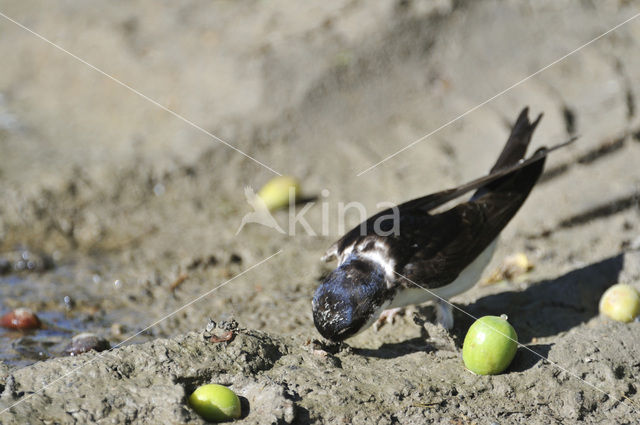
(215,403)
(279,192)
(490,345)
(620,302)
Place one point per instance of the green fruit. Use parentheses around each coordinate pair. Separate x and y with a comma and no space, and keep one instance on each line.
(620,302)
(215,403)
(279,192)
(489,346)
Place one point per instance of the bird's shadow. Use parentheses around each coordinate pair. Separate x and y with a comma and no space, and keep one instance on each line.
(396,349)
(532,355)
(543,309)
(551,306)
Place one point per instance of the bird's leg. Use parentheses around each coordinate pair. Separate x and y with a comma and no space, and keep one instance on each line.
(387,316)
(444,314)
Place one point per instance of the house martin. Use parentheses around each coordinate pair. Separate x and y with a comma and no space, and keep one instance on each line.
(442,251)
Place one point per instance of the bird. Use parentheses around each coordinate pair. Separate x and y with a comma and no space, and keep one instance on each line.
(411,254)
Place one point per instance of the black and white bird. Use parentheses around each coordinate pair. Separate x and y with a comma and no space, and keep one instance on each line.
(444,252)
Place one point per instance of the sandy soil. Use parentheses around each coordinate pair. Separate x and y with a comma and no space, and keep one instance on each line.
(115,199)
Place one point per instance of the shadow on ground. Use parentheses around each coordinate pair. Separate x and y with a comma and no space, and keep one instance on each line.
(543,309)
(551,306)
(397,349)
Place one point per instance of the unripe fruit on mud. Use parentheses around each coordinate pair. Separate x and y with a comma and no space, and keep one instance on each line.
(215,403)
(620,302)
(279,192)
(490,345)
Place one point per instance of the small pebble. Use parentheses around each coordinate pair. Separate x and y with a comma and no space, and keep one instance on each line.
(117,330)
(68,302)
(21,319)
(86,342)
(319,353)
(211,325)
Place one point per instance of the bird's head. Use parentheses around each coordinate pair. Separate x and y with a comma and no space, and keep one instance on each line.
(350,299)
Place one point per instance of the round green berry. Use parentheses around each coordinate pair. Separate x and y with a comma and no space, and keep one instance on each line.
(279,192)
(490,345)
(620,302)
(215,403)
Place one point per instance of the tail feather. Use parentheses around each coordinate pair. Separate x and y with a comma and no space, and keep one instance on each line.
(514,150)
(516,146)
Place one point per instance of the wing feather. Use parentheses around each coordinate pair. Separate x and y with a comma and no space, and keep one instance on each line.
(431,202)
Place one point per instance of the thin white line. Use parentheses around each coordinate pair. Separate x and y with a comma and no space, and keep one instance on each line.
(497,95)
(101,355)
(175,114)
(519,344)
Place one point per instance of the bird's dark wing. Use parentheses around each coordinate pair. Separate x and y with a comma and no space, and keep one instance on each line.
(435,248)
(422,206)
(454,238)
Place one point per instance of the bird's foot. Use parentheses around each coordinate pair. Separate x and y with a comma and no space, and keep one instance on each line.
(444,314)
(387,316)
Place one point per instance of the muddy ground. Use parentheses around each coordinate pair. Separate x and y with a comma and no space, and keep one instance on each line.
(115,214)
